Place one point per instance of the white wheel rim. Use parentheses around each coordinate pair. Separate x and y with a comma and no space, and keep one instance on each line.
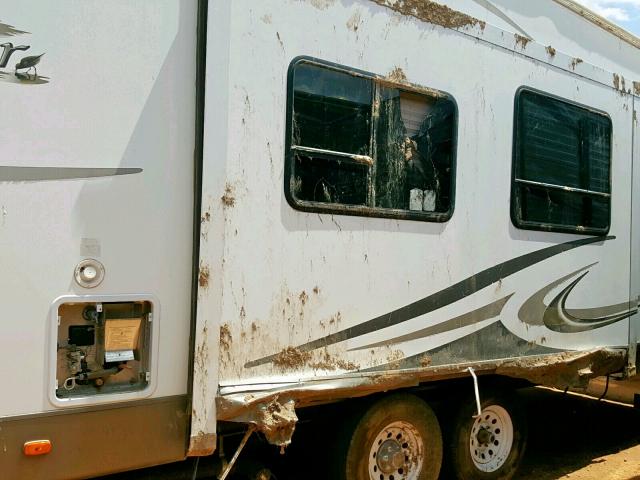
(491,439)
(396,453)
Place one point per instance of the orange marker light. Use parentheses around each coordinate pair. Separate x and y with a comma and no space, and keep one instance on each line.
(36,447)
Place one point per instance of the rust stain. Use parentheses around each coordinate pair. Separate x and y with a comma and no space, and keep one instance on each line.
(394,358)
(202,444)
(329,362)
(397,75)
(619,83)
(254,327)
(321,4)
(228,199)
(203,276)
(354,22)
(316,290)
(432,12)
(551,51)
(521,41)
(291,358)
(206,217)
(636,88)
(344,365)
(225,337)
(397,78)
(575,62)
(243,313)
(425,360)
(202,353)
(325,363)
(303,297)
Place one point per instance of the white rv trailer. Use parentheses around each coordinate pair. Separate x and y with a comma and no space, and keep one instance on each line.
(227,211)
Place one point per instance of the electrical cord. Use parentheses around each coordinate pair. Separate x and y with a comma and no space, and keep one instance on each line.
(195,469)
(606,389)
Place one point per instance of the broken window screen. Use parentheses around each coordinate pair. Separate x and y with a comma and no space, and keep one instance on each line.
(363,146)
(562,159)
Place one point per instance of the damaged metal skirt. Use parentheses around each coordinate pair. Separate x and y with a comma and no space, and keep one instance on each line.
(271,407)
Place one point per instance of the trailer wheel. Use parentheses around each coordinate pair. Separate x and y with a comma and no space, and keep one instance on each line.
(489,446)
(398,438)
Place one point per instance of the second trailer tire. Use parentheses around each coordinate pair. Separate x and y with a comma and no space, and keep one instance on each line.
(491,446)
(398,438)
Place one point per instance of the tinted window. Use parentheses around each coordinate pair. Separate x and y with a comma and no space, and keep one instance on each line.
(357,141)
(562,160)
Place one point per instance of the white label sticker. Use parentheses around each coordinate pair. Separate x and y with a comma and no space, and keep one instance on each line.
(118,356)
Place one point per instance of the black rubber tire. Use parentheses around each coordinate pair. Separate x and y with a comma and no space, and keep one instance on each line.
(351,461)
(458,457)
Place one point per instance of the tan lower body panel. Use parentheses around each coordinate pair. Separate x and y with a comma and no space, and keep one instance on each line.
(91,442)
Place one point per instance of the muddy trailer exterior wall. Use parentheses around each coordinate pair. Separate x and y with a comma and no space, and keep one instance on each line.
(312,306)
(118,127)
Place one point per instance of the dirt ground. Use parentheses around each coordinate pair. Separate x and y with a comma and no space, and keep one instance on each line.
(579,438)
(570,437)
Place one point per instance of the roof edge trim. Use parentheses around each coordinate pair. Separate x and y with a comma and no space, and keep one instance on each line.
(602,22)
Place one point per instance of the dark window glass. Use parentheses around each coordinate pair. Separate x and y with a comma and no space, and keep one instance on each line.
(355,141)
(332,110)
(414,143)
(562,166)
(329,181)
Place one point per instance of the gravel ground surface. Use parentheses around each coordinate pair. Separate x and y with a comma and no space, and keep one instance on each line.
(570,436)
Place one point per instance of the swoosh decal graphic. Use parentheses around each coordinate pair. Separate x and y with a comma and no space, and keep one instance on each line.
(558,318)
(478,315)
(492,342)
(532,310)
(43,174)
(7,30)
(444,297)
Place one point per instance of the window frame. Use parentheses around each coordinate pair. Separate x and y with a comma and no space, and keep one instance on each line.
(360,210)
(516,219)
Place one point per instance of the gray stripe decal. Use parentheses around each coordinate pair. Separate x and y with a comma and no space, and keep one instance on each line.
(442,298)
(43,174)
(492,342)
(470,318)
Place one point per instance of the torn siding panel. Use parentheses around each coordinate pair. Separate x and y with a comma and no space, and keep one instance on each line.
(270,407)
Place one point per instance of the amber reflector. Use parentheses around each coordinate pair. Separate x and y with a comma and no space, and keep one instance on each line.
(36,447)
